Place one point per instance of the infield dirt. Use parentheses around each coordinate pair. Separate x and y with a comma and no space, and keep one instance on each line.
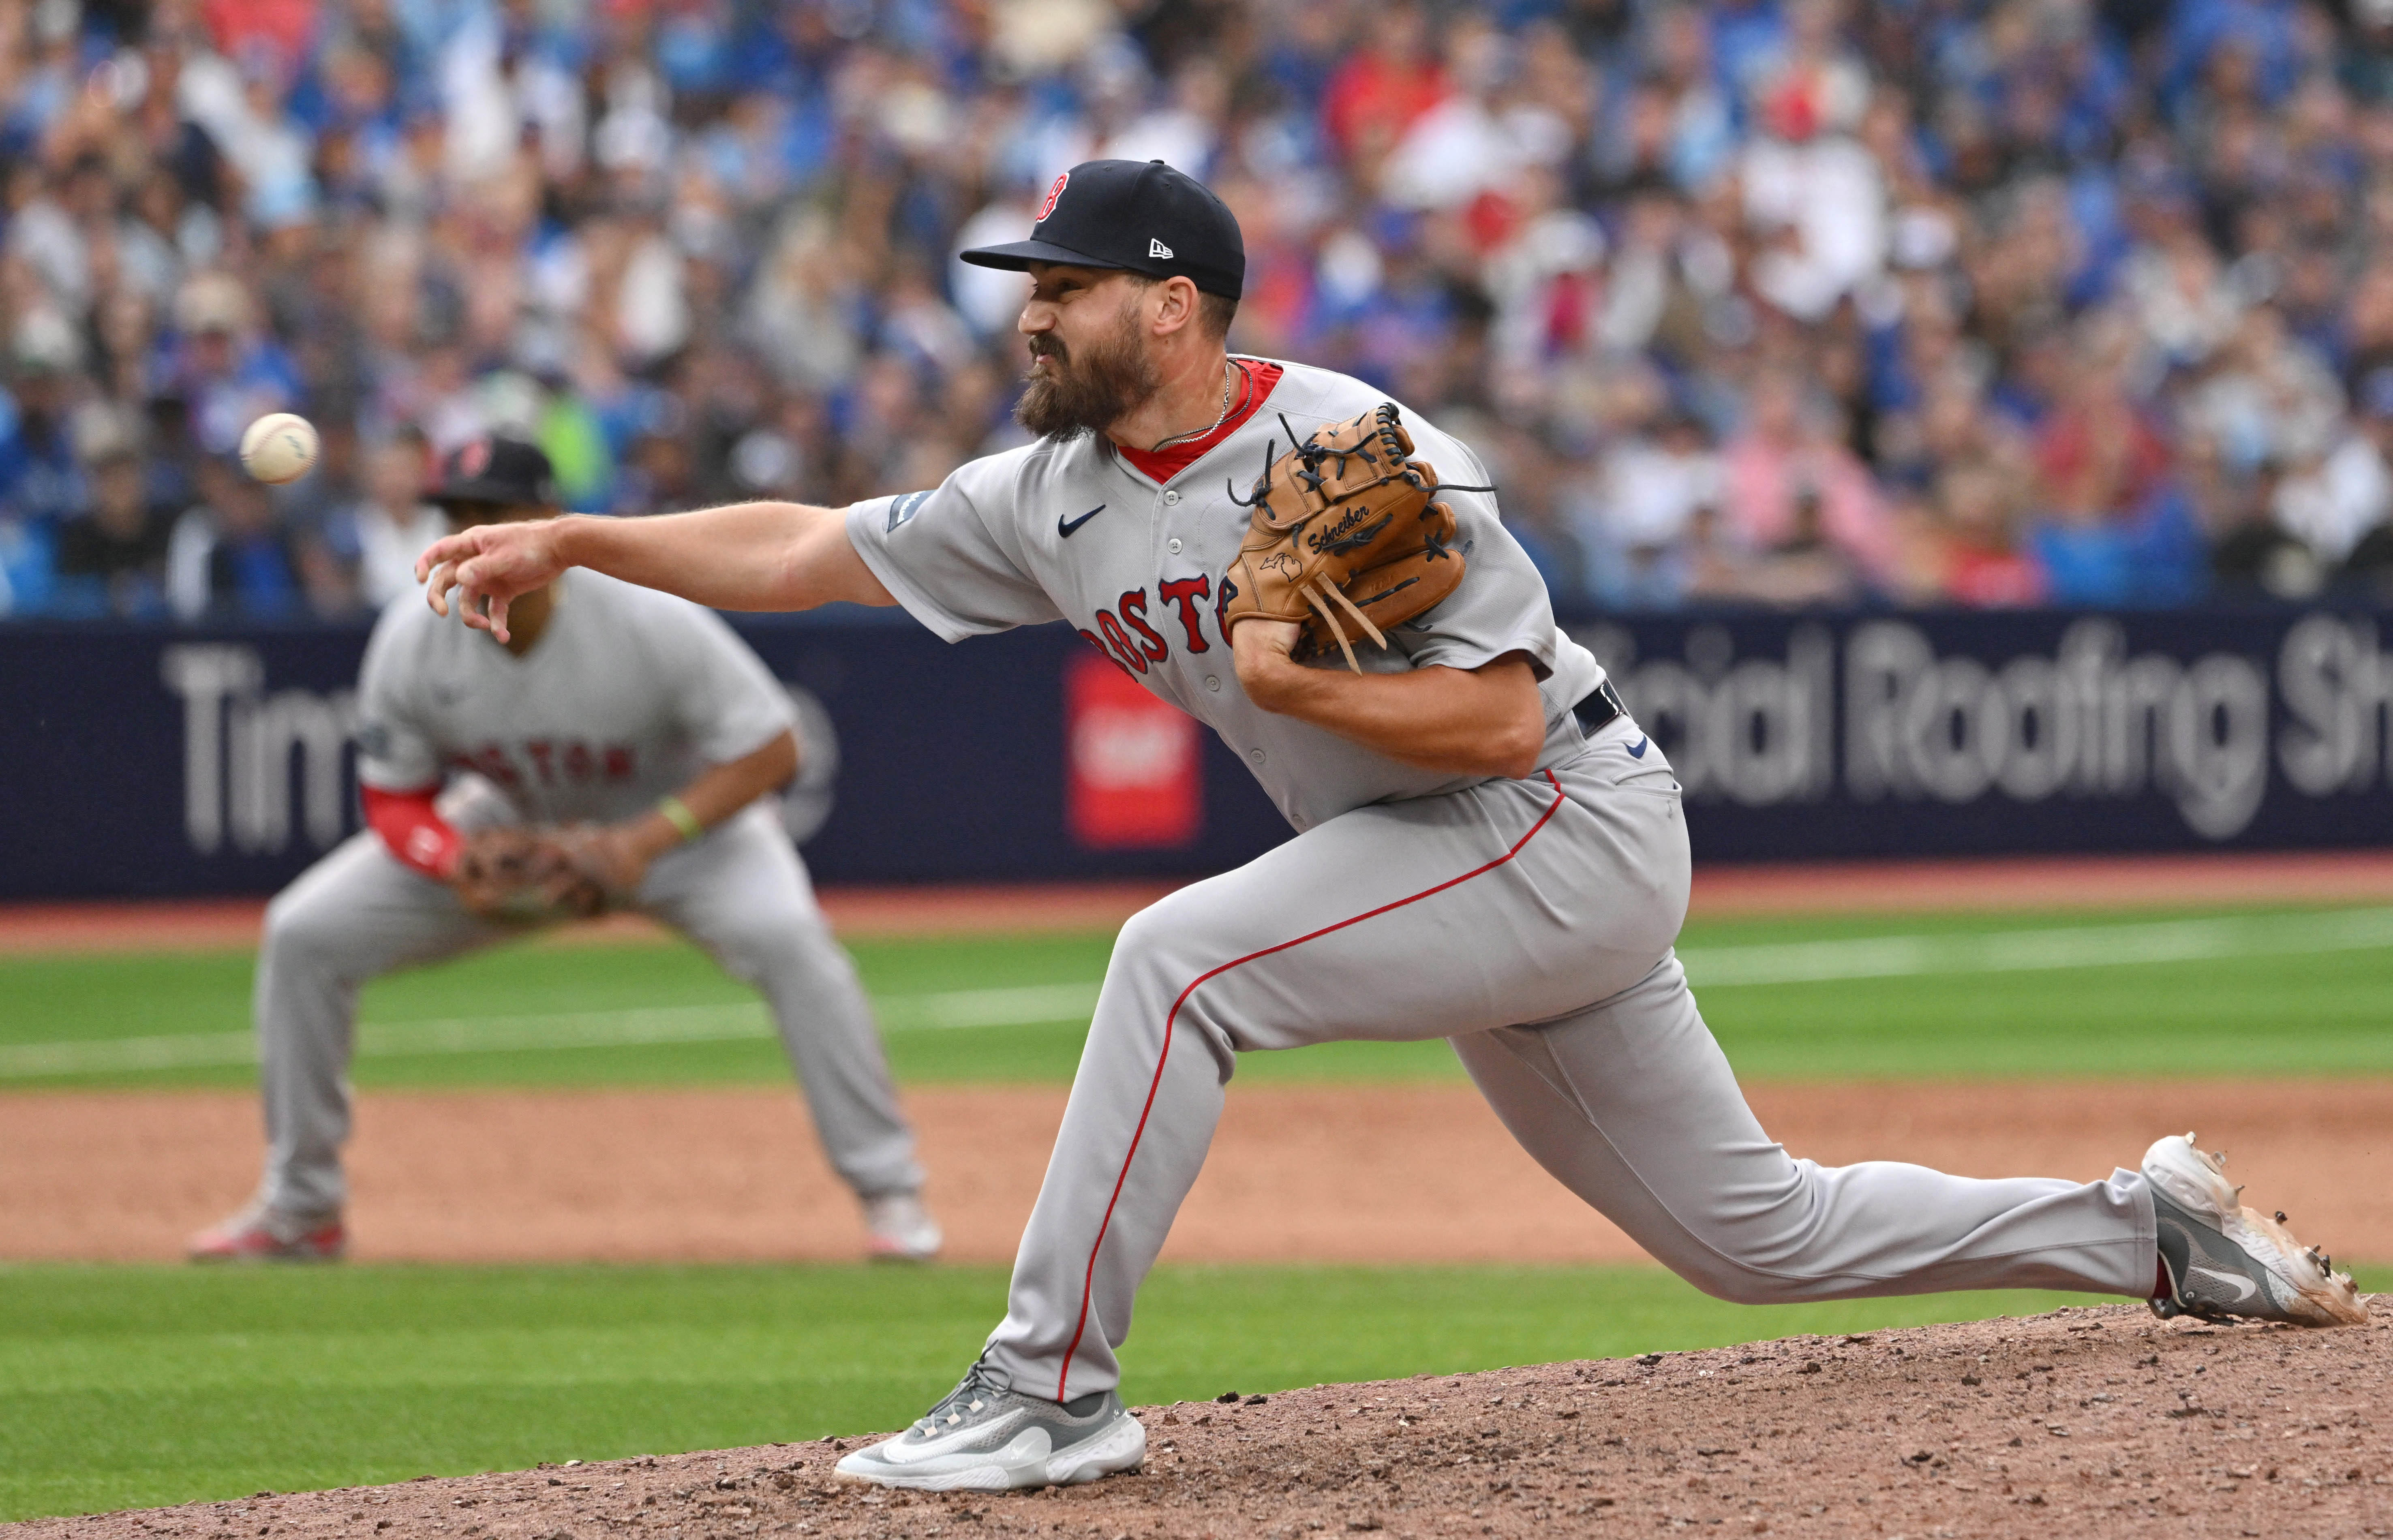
(2082,1422)
(1420,1173)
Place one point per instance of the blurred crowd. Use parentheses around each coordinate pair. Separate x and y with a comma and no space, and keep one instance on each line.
(1787,302)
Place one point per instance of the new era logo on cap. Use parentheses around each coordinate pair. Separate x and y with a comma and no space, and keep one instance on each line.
(1157,248)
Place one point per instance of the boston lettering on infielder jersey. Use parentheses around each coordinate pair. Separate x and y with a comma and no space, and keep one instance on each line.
(625,696)
(629,693)
(1141,578)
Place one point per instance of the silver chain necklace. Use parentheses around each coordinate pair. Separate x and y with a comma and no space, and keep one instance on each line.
(1230,373)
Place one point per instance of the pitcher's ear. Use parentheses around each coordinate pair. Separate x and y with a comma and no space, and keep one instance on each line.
(1176,306)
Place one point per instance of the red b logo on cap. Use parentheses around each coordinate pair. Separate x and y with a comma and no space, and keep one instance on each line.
(1053,193)
(475,458)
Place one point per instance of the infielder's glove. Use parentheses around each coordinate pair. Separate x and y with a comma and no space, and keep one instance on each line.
(1345,537)
(529,877)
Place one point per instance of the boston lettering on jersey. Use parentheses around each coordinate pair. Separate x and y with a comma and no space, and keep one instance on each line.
(1133,655)
(547,762)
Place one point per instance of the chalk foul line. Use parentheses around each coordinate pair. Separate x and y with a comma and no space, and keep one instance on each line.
(2025,951)
(1028,1005)
(1042,1004)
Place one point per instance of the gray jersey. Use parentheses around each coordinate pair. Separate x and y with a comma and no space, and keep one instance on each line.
(1409,906)
(627,695)
(1073,531)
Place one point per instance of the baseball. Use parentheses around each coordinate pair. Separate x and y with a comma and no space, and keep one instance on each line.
(279,447)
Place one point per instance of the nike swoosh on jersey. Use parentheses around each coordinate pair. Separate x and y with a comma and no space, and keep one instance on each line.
(2244,1288)
(1636,749)
(1066,529)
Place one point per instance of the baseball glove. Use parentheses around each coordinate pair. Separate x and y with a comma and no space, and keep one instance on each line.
(1345,537)
(529,877)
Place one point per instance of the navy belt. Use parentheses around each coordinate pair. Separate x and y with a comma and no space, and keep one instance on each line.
(1599,709)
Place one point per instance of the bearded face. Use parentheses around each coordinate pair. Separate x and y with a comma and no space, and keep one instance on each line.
(1087,386)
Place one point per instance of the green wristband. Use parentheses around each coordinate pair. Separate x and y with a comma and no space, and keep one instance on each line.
(677,814)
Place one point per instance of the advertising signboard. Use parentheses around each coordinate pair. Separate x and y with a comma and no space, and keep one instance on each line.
(154,762)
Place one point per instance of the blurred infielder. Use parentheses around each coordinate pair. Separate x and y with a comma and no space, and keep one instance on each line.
(619,751)
(1488,850)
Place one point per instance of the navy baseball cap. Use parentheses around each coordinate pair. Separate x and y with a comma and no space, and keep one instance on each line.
(496,471)
(1141,217)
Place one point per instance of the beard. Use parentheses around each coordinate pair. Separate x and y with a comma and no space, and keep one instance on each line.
(1112,378)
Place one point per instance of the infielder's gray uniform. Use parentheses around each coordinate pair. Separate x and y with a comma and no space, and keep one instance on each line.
(1529,921)
(628,694)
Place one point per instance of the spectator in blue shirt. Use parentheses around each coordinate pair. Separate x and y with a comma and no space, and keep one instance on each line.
(41,481)
(230,557)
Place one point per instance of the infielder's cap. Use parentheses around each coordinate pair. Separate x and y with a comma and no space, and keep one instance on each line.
(496,471)
(1140,216)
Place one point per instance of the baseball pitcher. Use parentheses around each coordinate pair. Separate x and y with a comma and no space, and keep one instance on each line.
(617,750)
(1487,848)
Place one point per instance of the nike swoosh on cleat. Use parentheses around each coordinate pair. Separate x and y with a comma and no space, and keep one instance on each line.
(2244,1288)
(897,1452)
(1066,529)
(1636,749)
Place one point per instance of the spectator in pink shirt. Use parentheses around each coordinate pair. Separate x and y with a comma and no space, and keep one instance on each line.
(1787,448)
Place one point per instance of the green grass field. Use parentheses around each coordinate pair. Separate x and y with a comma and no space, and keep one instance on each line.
(132,1386)
(125,1386)
(2262,992)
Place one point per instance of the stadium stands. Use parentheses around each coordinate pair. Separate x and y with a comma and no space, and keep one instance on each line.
(1776,302)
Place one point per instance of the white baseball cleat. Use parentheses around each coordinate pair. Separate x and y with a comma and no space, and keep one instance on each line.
(983,1437)
(899,1229)
(2222,1261)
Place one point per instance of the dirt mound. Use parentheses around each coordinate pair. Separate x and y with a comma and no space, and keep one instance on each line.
(2096,1421)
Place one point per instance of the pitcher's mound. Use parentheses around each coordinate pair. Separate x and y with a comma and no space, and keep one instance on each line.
(2083,1422)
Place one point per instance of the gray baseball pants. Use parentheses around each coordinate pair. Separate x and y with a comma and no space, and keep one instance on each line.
(740,893)
(1529,922)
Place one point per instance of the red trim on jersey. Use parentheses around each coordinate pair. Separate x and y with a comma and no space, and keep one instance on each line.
(1088,1282)
(413,829)
(1261,377)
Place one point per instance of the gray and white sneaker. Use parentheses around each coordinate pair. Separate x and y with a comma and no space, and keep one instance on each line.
(984,1436)
(2223,1261)
(899,1229)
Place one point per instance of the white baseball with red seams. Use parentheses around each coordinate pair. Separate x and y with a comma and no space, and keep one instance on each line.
(279,447)
(1530,922)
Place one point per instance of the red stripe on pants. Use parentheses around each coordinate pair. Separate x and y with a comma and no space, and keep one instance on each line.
(1088,1282)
